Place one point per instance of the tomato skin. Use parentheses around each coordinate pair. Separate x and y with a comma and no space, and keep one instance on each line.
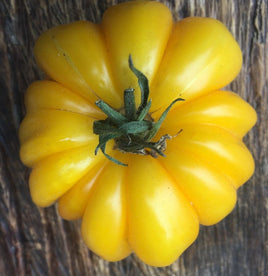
(123,27)
(167,216)
(217,60)
(153,207)
(77,68)
(104,225)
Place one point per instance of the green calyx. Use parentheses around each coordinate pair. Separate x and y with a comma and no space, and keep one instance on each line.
(132,129)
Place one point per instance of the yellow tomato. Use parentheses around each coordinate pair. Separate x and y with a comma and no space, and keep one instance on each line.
(153,206)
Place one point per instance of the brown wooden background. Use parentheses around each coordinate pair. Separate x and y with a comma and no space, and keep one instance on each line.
(37,241)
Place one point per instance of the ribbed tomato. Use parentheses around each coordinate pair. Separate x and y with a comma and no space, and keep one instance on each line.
(152,206)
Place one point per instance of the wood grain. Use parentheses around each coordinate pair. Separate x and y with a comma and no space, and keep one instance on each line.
(37,241)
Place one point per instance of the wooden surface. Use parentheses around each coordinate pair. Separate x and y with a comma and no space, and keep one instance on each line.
(37,241)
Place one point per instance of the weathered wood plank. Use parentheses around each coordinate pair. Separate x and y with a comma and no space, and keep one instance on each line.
(37,241)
